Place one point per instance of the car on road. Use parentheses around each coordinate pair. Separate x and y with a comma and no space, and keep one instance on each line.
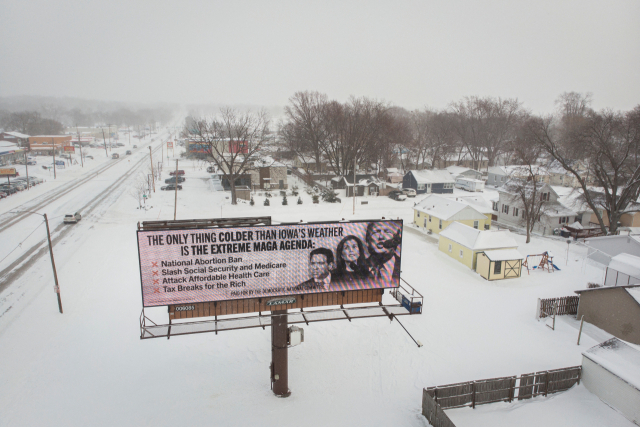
(86,156)
(32,162)
(171,187)
(409,192)
(115,156)
(128,152)
(65,156)
(397,195)
(178,172)
(172,180)
(135,146)
(72,219)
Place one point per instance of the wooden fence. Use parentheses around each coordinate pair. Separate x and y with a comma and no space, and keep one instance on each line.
(434,412)
(566,305)
(505,389)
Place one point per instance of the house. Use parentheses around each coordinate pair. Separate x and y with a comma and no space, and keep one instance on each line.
(393,175)
(464,243)
(497,176)
(615,309)
(462,172)
(560,176)
(480,204)
(308,163)
(602,249)
(273,176)
(429,181)
(554,214)
(435,213)
(366,185)
(499,264)
(623,269)
(611,371)
(44,144)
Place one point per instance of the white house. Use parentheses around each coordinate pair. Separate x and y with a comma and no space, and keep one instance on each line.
(463,172)
(435,213)
(611,371)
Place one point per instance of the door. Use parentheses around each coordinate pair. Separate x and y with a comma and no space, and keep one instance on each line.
(512,268)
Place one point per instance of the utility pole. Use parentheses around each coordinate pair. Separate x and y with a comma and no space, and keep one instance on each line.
(26,165)
(279,354)
(175,202)
(80,142)
(110,144)
(53,264)
(105,143)
(53,150)
(152,175)
(129,132)
(354,185)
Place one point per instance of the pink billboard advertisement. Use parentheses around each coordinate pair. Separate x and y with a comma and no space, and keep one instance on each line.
(217,264)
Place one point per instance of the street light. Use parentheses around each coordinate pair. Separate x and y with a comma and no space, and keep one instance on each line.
(53,263)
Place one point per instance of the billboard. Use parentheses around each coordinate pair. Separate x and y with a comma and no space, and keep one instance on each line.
(69,148)
(169,144)
(219,264)
(8,172)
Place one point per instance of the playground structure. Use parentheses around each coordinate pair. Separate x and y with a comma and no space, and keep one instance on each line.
(544,262)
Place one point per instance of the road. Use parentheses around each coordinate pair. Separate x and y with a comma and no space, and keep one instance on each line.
(91,194)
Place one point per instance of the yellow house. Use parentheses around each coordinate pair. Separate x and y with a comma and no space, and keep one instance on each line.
(464,243)
(435,213)
(499,264)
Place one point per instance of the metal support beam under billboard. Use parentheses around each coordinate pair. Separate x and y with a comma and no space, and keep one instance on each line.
(279,354)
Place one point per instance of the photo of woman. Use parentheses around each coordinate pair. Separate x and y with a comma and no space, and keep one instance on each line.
(350,263)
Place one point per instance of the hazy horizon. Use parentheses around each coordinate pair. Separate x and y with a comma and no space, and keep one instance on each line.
(251,53)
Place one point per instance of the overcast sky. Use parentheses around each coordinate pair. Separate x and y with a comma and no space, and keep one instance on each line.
(409,53)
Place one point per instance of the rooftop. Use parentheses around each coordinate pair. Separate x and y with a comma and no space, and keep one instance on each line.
(431,176)
(618,358)
(476,239)
(444,208)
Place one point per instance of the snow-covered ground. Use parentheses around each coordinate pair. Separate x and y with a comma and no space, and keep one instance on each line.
(89,367)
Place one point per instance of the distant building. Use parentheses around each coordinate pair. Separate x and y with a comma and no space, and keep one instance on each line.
(10,153)
(603,249)
(20,139)
(366,185)
(463,172)
(429,181)
(464,243)
(436,213)
(44,144)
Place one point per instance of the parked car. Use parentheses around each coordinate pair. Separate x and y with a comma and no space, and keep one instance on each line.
(115,156)
(8,189)
(211,169)
(119,144)
(88,157)
(135,146)
(409,192)
(172,180)
(65,156)
(72,219)
(3,195)
(31,162)
(171,187)
(179,172)
(397,195)
(128,152)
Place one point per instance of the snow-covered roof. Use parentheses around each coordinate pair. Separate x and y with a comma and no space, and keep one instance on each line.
(478,202)
(497,170)
(17,134)
(427,176)
(635,293)
(557,209)
(476,239)
(457,170)
(446,209)
(618,358)
(627,264)
(504,255)
(392,170)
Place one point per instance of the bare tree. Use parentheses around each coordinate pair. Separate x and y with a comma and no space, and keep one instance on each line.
(139,189)
(485,125)
(434,136)
(231,141)
(607,140)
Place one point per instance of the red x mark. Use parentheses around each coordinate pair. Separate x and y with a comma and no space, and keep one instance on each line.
(154,264)
(157,291)
(156,281)
(155,273)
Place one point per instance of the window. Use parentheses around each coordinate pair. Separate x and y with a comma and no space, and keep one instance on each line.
(440,225)
(429,218)
(418,214)
(544,197)
(494,206)
(425,223)
(515,211)
(502,178)
(563,220)
(475,224)
(505,209)
(420,187)
(461,254)
(497,267)
(450,248)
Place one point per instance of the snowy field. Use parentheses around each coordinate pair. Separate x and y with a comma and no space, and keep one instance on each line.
(88,367)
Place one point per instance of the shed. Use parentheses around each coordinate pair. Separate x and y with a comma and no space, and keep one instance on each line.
(616,309)
(499,264)
(464,243)
(623,269)
(435,213)
(611,371)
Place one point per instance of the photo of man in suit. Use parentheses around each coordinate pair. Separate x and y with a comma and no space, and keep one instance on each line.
(383,240)
(321,262)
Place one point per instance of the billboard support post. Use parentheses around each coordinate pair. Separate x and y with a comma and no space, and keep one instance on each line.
(279,354)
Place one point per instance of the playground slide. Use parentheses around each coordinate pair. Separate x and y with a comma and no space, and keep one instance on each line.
(555,266)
